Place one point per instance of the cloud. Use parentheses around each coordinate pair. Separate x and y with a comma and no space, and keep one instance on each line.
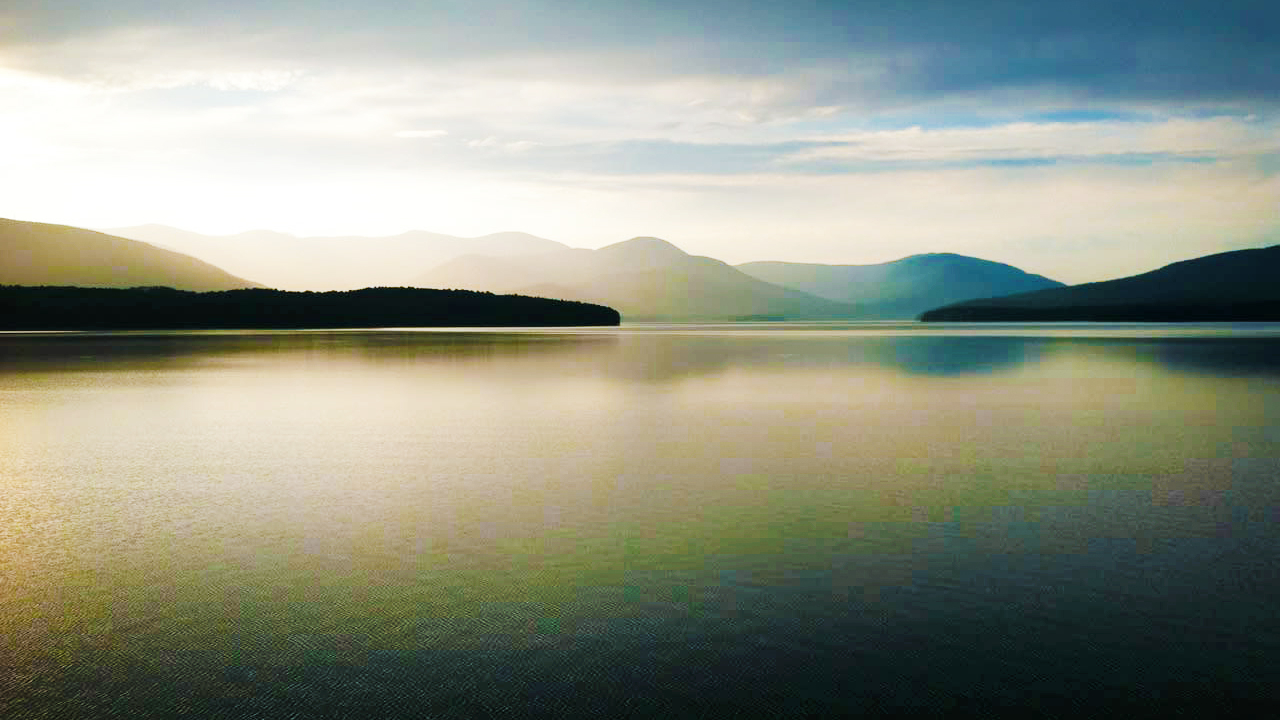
(1105,141)
(849,131)
(1074,223)
(256,80)
(869,54)
(421,133)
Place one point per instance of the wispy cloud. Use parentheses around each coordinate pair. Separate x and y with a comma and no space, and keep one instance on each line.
(1166,138)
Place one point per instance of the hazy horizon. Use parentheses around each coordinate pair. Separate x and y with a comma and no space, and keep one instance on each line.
(1080,142)
(779,259)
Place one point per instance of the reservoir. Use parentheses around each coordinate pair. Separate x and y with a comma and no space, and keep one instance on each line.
(777,518)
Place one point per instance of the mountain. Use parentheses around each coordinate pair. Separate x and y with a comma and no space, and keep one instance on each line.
(40,254)
(1237,285)
(333,263)
(903,288)
(644,278)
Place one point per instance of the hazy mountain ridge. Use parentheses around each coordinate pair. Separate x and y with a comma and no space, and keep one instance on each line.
(333,262)
(903,288)
(1240,285)
(644,278)
(34,253)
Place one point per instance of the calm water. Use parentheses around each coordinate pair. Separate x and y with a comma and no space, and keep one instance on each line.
(777,519)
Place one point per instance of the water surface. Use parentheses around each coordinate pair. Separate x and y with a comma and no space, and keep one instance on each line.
(778,518)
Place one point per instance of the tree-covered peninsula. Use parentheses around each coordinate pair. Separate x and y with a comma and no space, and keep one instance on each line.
(149,308)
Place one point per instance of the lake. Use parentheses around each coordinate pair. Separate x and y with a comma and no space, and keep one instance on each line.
(769,518)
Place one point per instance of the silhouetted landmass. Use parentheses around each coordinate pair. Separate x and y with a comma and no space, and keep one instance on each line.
(1241,285)
(1226,312)
(41,254)
(904,288)
(76,308)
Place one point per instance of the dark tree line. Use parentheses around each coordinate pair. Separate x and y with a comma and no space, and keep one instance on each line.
(1182,312)
(76,308)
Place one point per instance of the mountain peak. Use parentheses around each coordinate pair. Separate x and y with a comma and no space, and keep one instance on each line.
(509,235)
(938,257)
(644,251)
(902,288)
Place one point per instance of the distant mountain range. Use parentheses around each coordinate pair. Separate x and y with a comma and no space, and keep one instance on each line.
(1237,285)
(42,254)
(903,288)
(288,262)
(644,278)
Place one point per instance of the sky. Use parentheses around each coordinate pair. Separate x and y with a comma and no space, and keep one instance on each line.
(1082,140)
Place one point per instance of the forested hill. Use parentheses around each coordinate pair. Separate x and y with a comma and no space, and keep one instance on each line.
(76,308)
(1240,285)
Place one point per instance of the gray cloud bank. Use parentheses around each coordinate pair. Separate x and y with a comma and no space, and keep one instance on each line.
(874,53)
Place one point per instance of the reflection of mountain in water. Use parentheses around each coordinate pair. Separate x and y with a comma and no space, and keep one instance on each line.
(657,356)
(1215,356)
(99,352)
(625,356)
(934,355)
(662,357)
